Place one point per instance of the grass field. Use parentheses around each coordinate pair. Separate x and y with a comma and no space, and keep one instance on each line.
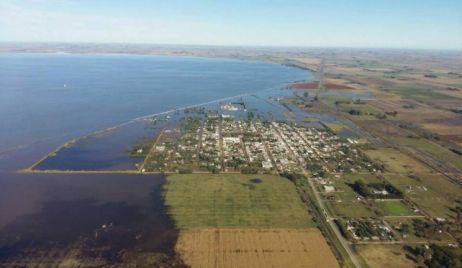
(420,94)
(365,177)
(393,208)
(385,256)
(367,111)
(410,234)
(351,209)
(431,192)
(255,248)
(434,149)
(332,99)
(234,200)
(345,203)
(395,161)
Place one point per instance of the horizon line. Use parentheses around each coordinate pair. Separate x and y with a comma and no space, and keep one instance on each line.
(231,45)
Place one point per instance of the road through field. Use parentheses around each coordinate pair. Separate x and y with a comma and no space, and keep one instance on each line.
(332,225)
(320,202)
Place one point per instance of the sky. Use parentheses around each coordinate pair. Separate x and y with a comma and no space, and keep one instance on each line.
(427,24)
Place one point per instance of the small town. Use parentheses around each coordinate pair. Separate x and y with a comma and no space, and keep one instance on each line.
(225,144)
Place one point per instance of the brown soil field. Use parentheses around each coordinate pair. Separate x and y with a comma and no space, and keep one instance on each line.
(454,138)
(377,82)
(385,256)
(443,129)
(255,248)
(311,63)
(342,81)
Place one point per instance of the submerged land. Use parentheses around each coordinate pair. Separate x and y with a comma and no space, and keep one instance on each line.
(359,167)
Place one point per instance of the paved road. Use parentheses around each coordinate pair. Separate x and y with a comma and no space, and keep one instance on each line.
(332,224)
(320,77)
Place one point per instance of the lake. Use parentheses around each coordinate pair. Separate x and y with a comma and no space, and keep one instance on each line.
(48,99)
(53,97)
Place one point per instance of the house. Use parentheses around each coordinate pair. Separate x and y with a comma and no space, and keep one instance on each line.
(329,189)
(160,148)
(266,164)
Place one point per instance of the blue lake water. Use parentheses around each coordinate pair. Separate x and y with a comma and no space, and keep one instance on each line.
(47,99)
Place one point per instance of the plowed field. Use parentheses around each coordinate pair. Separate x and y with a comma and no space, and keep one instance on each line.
(255,248)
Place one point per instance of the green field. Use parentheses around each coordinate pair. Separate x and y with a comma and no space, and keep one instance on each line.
(395,161)
(393,208)
(234,200)
(365,177)
(345,203)
(332,99)
(367,111)
(421,94)
(431,192)
(434,149)
(349,209)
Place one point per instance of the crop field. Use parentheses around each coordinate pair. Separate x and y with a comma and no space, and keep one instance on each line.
(385,256)
(395,161)
(434,149)
(394,208)
(234,200)
(255,248)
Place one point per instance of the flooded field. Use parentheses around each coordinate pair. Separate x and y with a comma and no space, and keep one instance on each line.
(102,151)
(347,94)
(108,150)
(89,219)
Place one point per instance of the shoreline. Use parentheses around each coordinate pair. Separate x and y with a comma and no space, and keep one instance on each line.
(183,53)
(73,141)
(31,168)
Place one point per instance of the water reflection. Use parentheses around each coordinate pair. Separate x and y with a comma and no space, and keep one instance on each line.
(91,219)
